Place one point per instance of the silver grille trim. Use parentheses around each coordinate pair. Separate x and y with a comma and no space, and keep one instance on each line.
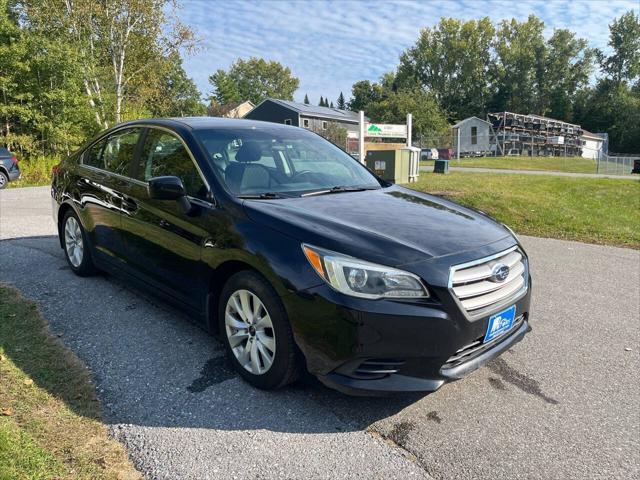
(471,284)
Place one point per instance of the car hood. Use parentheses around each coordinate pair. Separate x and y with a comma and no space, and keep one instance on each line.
(392,225)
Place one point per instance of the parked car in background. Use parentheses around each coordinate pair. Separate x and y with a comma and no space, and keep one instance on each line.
(294,253)
(429,154)
(9,170)
(445,153)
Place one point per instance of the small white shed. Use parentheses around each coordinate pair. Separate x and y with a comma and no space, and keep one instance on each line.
(473,136)
(592,145)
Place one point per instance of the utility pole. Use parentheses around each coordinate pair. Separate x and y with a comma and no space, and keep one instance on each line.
(361,138)
(409,128)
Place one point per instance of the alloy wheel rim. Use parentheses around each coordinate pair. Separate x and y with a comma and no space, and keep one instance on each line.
(2,181)
(73,241)
(250,332)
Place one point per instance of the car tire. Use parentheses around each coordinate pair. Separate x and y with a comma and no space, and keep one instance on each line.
(4,180)
(255,330)
(76,246)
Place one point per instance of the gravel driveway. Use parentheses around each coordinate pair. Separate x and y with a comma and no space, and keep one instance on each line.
(564,403)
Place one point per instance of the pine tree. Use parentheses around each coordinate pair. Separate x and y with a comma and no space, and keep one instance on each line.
(306,99)
(331,105)
(341,104)
(321,104)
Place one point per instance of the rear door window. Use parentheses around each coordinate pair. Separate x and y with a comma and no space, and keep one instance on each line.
(119,150)
(93,155)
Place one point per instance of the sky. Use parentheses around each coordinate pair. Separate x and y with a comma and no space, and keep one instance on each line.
(331,44)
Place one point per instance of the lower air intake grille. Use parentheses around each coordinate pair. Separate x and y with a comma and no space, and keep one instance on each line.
(471,351)
(377,368)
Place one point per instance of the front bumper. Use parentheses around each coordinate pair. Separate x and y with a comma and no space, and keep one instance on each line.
(363,347)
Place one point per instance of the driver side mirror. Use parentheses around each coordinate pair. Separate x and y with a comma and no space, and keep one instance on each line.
(169,188)
(166,188)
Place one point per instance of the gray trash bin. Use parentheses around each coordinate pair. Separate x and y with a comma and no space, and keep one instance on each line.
(441,166)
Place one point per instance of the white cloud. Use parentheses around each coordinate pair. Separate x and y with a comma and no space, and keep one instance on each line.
(330,45)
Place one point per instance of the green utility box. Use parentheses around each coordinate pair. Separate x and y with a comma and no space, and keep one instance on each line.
(391,165)
(441,166)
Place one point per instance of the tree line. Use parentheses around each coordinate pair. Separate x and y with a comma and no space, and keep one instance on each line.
(461,68)
(69,68)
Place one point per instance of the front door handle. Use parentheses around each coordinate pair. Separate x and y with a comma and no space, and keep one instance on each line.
(129,205)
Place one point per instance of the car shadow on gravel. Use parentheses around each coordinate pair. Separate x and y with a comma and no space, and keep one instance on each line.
(153,367)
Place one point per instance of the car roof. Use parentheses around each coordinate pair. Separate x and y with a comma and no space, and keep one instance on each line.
(5,152)
(199,123)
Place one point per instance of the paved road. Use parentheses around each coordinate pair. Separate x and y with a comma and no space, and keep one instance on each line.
(564,403)
(535,172)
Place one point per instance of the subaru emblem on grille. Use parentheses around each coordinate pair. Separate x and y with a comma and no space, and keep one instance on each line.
(499,273)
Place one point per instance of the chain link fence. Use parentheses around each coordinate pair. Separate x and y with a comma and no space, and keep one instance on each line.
(617,164)
(548,152)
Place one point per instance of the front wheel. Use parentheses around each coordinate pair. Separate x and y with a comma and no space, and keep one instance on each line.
(256,332)
(76,247)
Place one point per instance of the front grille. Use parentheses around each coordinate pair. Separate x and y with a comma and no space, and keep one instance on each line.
(471,351)
(478,292)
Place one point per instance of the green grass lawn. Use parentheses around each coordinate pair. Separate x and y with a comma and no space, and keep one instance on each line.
(554,164)
(593,210)
(50,425)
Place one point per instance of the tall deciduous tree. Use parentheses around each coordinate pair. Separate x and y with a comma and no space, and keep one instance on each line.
(42,107)
(174,94)
(385,102)
(119,43)
(613,106)
(567,65)
(623,65)
(519,66)
(254,79)
(451,60)
(365,93)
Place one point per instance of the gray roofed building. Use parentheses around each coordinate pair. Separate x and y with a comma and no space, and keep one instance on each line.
(313,117)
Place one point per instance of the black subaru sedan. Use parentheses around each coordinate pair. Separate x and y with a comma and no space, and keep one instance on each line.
(294,253)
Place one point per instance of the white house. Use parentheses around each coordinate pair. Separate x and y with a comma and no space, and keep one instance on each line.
(593,145)
(473,135)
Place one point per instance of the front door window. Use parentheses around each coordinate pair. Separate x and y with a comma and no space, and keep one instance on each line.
(164,154)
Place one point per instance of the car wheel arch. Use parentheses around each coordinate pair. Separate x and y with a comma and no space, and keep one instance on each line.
(217,279)
(62,211)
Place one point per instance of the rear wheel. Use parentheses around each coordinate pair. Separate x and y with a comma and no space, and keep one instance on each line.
(4,180)
(256,332)
(76,247)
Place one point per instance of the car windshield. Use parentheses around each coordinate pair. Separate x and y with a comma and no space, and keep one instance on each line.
(273,162)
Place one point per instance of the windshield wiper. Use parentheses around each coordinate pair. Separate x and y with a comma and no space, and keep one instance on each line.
(261,196)
(338,189)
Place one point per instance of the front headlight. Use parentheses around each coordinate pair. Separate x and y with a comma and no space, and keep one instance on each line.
(359,278)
